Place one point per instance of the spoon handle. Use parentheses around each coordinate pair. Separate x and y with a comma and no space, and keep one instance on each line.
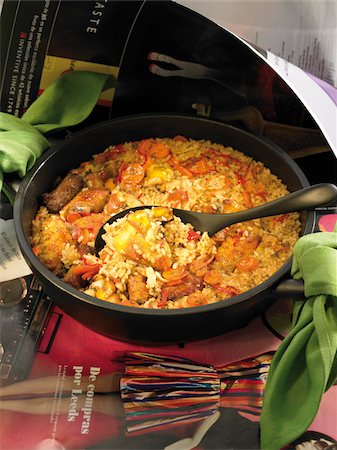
(307,198)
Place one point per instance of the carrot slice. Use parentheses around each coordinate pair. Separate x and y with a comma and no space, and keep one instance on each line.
(180,138)
(212,277)
(133,174)
(144,146)
(159,150)
(175,274)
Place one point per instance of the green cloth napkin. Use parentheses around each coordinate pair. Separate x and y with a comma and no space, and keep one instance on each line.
(66,102)
(305,364)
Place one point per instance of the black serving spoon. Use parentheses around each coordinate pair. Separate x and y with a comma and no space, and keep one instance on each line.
(307,198)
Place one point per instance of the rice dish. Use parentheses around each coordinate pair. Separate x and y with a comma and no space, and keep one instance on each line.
(151,259)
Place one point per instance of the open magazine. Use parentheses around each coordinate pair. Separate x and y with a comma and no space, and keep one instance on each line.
(63,386)
(166,58)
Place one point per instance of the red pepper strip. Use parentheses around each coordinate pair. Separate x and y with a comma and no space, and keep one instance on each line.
(256,170)
(164,297)
(245,175)
(229,290)
(200,165)
(121,170)
(246,194)
(110,154)
(174,163)
(247,198)
(200,262)
(193,235)
(36,250)
(281,218)
(88,275)
(229,159)
(237,237)
(84,268)
(175,282)
(262,195)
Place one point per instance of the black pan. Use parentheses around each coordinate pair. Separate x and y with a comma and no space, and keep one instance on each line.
(145,325)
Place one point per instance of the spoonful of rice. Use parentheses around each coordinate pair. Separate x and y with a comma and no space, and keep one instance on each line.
(304,199)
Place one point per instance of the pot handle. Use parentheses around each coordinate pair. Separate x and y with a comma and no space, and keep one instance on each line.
(289,288)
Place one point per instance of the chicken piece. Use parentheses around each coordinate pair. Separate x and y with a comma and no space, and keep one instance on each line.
(63,193)
(137,289)
(50,234)
(87,201)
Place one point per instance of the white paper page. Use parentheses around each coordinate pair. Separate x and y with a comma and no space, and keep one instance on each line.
(12,263)
(302,32)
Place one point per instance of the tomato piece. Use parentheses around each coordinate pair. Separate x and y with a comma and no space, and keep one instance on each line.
(193,235)
(133,174)
(247,264)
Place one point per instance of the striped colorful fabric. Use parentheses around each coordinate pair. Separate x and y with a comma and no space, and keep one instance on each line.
(164,391)
(243,383)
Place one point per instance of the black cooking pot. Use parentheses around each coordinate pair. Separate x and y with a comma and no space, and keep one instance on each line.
(146,325)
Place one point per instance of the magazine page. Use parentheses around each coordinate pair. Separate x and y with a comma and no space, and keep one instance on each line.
(87,391)
(303,33)
(187,64)
(298,40)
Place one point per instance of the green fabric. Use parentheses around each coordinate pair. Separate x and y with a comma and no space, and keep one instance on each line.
(305,364)
(66,102)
